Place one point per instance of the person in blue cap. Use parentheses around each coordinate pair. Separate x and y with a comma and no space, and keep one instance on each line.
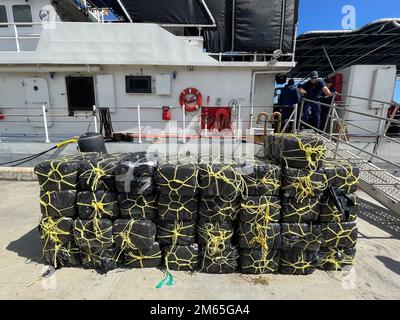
(313,89)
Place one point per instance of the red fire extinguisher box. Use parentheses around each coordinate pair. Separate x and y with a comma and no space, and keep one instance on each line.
(166,114)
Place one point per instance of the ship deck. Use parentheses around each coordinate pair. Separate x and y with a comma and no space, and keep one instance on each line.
(376,274)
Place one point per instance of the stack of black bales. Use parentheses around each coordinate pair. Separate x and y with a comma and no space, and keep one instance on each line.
(338,216)
(177,213)
(58,180)
(97,210)
(221,186)
(303,184)
(259,217)
(135,231)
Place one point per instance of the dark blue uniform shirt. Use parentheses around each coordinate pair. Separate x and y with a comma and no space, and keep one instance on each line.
(289,96)
(314,91)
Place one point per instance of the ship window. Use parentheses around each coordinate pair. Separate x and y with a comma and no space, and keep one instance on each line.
(138,84)
(3,16)
(22,13)
(80,91)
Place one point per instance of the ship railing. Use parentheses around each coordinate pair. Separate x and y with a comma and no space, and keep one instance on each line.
(20,33)
(377,182)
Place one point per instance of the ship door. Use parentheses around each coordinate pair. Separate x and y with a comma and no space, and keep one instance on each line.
(36,95)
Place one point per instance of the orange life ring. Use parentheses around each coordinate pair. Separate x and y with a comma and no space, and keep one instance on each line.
(191,99)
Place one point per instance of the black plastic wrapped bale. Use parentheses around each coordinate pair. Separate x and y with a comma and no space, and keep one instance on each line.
(294,211)
(175,232)
(259,236)
(295,151)
(298,262)
(261,178)
(177,179)
(218,179)
(330,212)
(143,258)
(301,236)
(136,175)
(58,203)
(177,207)
(220,261)
(138,207)
(93,234)
(302,184)
(215,235)
(257,261)
(97,205)
(57,175)
(339,235)
(182,258)
(65,255)
(342,175)
(56,230)
(331,259)
(104,259)
(218,208)
(134,233)
(261,209)
(98,173)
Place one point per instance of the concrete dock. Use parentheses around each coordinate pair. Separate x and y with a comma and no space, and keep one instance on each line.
(376,274)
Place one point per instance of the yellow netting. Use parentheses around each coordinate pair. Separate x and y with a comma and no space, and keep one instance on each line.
(55,232)
(330,213)
(93,235)
(219,179)
(57,175)
(336,259)
(176,232)
(262,210)
(301,236)
(220,261)
(98,205)
(256,261)
(58,203)
(297,262)
(297,151)
(302,184)
(218,208)
(67,255)
(182,258)
(339,235)
(98,173)
(298,212)
(143,258)
(133,234)
(342,175)
(138,206)
(215,235)
(177,207)
(177,179)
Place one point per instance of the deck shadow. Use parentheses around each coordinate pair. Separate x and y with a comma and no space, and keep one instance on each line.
(390,263)
(28,246)
(380,217)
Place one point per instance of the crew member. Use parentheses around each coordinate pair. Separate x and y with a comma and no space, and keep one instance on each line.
(312,89)
(288,98)
(326,100)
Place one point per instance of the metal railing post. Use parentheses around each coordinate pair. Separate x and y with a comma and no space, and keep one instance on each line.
(139,124)
(16,38)
(238,121)
(95,119)
(300,116)
(46,130)
(184,124)
(342,125)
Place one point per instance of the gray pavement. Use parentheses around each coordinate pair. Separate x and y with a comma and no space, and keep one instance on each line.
(376,274)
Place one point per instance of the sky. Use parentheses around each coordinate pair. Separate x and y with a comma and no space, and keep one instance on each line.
(327,15)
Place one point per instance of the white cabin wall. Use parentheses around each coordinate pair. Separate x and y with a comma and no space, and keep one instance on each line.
(222,84)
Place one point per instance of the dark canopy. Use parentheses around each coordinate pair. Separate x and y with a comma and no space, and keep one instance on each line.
(376,43)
